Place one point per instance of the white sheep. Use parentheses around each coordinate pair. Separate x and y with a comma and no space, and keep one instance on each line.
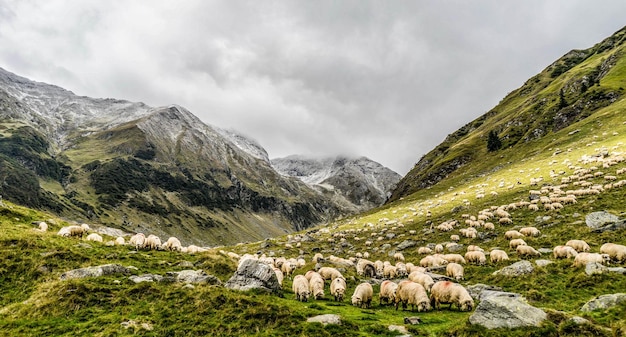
(583,258)
(398,256)
(513,234)
(513,244)
(438,248)
(564,252)
(152,242)
(457,258)
(615,251)
(137,240)
(455,238)
(474,248)
(451,293)
(329,273)
(43,226)
(173,244)
(433,261)
(455,271)
(530,231)
(422,278)
(338,288)
(412,293)
(475,257)
(424,250)
(524,250)
(73,230)
(387,292)
(498,255)
(300,287)
(316,286)
(362,296)
(94,237)
(578,245)
(119,241)
(390,272)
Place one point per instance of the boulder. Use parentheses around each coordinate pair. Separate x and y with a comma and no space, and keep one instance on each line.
(325,319)
(253,274)
(506,312)
(399,328)
(406,244)
(516,269)
(593,268)
(543,263)
(545,250)
(146,278)
(604,302)
(476,290)
(194,276)
(97,271)
(596,220)
(413,320)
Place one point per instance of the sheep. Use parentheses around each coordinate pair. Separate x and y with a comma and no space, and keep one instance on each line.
(300,288)
(561,252)
(361,267)
(472,248)
(498,255)
(524,250)
(287,268)
(451,293)
(119,241)
(513,234)
(43,226)
(432,261)
(137,240)
(516,242)
(424,250)
(412,293)
(455,271)
(73,230)
(94,237)
(329,273)
(192,249)
(422,278)
(530,231)
(309,274)
(615,251)
(398,256)
(476,257)
(316,286)
(455,238)
(338,288)
(173,244)
(401,269)
(390,272)
(438,248)
(317,258)
(578,245)
(152,242)
(583,258)
(489,226)
(387,292)
(379,266)
(362,296)
(457,258)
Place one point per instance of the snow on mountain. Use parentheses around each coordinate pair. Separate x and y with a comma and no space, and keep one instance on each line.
(248,145)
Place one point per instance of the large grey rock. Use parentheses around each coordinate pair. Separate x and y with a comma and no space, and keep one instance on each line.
(406,244)
(543,263)
(253,274)
(194,276)
(506,312)
(97,271)
(146,278)
(604,302)
(325,319)
(476,290)
(593,268)
(596,220)
(516,269)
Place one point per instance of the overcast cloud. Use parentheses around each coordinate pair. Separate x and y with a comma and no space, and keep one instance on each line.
(384,79)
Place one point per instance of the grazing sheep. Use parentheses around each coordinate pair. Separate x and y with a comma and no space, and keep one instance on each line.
(422,278)
(279,275)
(288,268)
(455,238)
(524,250)
(578,245)
(137,240)
(432,261)
(316,286)
(583,258)
(564,252)
(457,258)
(398,256)
(43,226)
(513,234)
(94,237)
(451,293)
(474,248)
(516,242)
(300,288)
(390,272)
(438,248)
(361,267)
(498,255)
(379,266)
(530,231)
(455,271)
(615,251)
(362,296)
(173,244)
(152,242)
(489,226)
(424,250)
(73,230)
(329,273)
(310,274)
(412,293)
(317,258)
(338,288)
(475,257)
(401,269)
(387,292)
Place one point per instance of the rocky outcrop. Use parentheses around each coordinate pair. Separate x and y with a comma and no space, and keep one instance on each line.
(97,271)
(325,319)
(506,310)
(604,302)
(516,269)
(603,221)
(253,274)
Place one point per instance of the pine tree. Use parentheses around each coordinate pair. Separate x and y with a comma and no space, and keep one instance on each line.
(493,142)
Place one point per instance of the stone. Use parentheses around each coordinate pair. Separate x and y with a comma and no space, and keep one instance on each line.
(398,328)
(604,302)
(596,220)
(146,278)
(618,270)
(414,320)
(454,248)
(475,290)
(194,276)
(545,250)
(406,244)
(543,263)
(84,245)
(325,319)
(253,274)
(506,312)
(189,286)
(579,320)
(97,271)
(390,236)
(516,269)
(593,268)
(185,264)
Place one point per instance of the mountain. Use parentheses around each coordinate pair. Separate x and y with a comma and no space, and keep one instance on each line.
(358,182)
(571,89)
(140,168)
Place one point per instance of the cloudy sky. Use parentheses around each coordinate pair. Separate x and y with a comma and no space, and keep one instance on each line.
(384,79)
